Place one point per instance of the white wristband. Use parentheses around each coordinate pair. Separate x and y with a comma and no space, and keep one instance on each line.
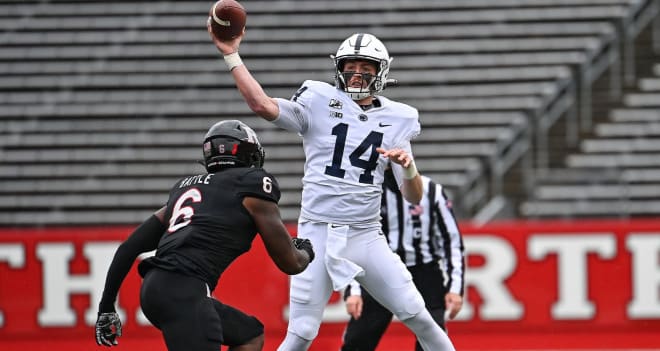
(411,171)
(233,60)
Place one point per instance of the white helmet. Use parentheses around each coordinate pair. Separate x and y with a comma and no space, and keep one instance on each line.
(362,46)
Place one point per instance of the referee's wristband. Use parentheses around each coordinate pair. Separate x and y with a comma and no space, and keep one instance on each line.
(233,60)
(411,171)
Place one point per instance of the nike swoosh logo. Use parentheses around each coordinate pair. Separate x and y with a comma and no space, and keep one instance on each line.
(335,225)
(381,124)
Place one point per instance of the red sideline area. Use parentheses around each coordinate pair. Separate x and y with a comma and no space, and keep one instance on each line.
(587,285)
(327,342)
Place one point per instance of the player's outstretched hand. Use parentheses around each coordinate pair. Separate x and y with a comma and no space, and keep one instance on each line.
(225,47)
(396,155)
(304,244)
(108,329)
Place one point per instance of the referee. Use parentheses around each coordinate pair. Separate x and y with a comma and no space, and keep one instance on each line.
(427,239)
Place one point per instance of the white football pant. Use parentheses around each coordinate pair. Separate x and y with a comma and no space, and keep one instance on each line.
(384,275)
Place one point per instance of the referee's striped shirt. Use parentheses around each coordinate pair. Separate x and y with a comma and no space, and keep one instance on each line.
(426,232)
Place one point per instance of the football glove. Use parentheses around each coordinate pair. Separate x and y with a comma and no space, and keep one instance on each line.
(304,244)
(108,329)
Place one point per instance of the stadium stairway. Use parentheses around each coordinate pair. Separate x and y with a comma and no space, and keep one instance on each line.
(103,105)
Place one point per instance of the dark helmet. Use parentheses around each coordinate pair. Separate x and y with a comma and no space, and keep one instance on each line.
(231,144)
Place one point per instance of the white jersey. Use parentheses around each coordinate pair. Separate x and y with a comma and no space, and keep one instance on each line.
(343,171)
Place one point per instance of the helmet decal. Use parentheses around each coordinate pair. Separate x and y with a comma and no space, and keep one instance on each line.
(358,43)
(251,135)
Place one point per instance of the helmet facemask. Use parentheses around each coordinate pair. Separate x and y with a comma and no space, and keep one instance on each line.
(369,84)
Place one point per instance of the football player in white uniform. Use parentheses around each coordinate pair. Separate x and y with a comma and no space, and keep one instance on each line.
(350,133)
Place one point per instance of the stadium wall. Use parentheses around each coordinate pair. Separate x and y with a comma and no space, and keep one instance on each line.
(530,286)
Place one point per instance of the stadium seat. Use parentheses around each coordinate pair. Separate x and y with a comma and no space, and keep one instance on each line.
(97,98)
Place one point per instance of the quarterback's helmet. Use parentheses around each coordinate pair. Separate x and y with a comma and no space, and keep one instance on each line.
(362,46)
(231,144)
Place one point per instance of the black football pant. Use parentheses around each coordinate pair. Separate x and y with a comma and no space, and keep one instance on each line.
(363,334)
(178,305)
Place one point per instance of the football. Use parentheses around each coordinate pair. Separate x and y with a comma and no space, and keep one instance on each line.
(227,19)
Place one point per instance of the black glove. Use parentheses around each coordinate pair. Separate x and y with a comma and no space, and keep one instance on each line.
(108,328)
(304,244)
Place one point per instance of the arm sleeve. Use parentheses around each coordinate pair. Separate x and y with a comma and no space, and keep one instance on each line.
(292,116)
(144,238)
(294,113)
(352,289)
(260,184)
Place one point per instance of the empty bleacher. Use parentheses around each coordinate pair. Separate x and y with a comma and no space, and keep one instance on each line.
(103,104)
(614,173)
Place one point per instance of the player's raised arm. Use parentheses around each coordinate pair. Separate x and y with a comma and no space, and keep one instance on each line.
(252,92)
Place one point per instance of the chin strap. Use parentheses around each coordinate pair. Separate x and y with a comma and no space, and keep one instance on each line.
(357,95)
